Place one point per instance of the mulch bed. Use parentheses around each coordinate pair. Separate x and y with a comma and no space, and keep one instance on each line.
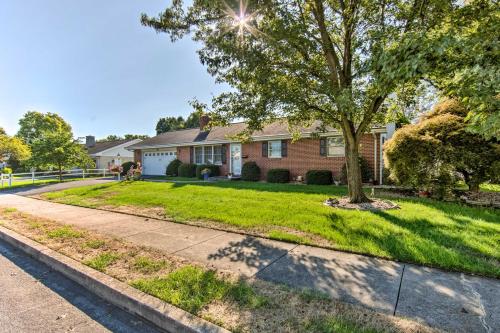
(374,205)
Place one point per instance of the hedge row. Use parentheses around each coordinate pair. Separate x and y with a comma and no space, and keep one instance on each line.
(214,170)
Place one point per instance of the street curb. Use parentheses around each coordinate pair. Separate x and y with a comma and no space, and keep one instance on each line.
(161,314)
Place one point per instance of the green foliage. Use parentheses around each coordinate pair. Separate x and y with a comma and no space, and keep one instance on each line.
(6,170)
(366,171)
(422,231)
(431,154)
(319,177)
(250,172)
(13,148)
(324,60)
(173,168)
(335,325)
(2,131)
(51,141)
(113,137)
(126,167)
(278,176)
(187,170)
(102,261)
(191,288)
(64,232)
(214,170)
(147,265)
(169,124)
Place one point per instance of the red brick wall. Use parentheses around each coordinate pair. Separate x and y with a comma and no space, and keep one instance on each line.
(138,156)
(303,155)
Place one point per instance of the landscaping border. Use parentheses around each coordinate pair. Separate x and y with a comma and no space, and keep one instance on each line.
(163,315)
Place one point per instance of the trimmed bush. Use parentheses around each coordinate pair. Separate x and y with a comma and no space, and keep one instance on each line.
(250,172)
(7,170)
(278,176)
(319,177)
(214,170)
(366,171)
(173,168)
(186,170)
(126,167)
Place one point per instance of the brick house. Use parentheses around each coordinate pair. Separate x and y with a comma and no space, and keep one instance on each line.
(272,147)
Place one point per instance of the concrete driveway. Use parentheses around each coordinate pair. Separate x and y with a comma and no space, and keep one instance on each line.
(39,189)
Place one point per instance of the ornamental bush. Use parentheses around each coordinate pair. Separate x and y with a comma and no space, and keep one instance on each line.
(366,171)
(214,170)
(126,167)
(186,170)
(7,170)
(250,172)
(438,150)
(173,168)
(278,176)
(319,177)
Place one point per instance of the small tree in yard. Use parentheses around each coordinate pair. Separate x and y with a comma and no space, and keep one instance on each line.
(438,149)
(52,144)
(12,148)
(305,60)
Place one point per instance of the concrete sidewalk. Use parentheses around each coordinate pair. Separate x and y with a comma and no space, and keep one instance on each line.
(451,301)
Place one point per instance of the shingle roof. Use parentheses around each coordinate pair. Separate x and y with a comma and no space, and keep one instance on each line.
(105,145)
(216,134)
(221,134)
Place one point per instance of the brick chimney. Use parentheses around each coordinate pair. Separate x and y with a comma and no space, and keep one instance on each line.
(89,141)
(204,120)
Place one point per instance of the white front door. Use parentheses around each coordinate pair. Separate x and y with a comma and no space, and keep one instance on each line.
(236,159)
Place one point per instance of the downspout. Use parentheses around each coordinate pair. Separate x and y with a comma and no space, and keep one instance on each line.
(375,156)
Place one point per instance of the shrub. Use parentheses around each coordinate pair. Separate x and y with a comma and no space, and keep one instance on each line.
(6,170)
(250,172)
(173,168)
(319,177)
(186,170)
(437,151)
(278,176)
(366,171)
(126,167)
(214,170)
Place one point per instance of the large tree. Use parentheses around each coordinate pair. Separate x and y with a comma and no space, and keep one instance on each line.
(169,124)
(336,61)
(52,144)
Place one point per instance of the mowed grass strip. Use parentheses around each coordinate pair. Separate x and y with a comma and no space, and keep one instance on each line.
(221,297)
(424,231)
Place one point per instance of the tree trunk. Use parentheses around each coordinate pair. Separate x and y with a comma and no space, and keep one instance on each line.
(473,186)
(354,179)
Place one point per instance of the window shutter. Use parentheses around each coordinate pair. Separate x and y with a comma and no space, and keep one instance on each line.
(284,148)
(223,154)
(264,149)
(322,146)
(191,154)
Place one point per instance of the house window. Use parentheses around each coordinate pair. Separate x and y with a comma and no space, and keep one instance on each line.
(208,155)
(198,155)
(217,154)
(336,146)
(274,149)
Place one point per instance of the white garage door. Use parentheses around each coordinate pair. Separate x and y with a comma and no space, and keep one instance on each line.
(155,163)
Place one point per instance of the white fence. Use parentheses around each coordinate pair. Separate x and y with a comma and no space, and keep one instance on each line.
(26,178)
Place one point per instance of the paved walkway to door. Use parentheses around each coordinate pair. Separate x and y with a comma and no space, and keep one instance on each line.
(452,301)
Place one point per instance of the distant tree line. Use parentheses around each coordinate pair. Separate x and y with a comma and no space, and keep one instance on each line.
(113,137)
(169,124)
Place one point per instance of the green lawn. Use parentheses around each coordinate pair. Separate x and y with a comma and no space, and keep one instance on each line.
(29,182)
(423,231)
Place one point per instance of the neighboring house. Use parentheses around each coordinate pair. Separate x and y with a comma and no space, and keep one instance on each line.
(107,154)
(270,148)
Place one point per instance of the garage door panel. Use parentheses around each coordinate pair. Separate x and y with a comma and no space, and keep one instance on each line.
(155,163)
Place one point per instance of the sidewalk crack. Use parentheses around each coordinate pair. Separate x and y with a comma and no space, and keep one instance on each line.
(275,260)
(399,290)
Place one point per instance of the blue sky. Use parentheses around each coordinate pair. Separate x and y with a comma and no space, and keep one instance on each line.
(93,63)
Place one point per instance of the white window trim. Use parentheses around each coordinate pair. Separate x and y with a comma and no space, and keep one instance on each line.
(269,149)
(203,154)
(328,147)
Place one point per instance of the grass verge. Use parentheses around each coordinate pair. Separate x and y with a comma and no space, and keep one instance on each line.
(225,299)
(438,234)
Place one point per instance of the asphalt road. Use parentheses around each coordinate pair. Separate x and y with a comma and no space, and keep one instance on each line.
(33,298)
